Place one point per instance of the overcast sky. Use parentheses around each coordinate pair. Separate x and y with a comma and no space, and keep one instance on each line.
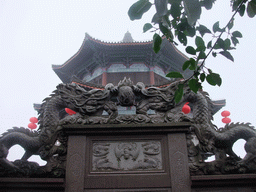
(34,34)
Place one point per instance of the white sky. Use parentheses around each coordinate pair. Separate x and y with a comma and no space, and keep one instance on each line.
(34,34)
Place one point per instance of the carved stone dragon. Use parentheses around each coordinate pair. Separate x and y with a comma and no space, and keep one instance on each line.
(218,142)
(51,143)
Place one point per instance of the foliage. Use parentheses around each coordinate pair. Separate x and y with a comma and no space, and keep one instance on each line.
(178,20)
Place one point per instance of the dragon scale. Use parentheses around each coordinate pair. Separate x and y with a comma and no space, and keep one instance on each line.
(49,118)
(211,137)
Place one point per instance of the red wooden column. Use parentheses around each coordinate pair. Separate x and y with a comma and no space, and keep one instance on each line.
(104,77)
(152,76)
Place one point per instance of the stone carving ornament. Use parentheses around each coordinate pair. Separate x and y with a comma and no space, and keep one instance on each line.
(51,143)
(129,156)
(127,150)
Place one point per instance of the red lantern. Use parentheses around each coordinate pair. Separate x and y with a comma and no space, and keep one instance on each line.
(186,109)
(225,113)
(226,120)
(33,120)
(69,111)
(32,125)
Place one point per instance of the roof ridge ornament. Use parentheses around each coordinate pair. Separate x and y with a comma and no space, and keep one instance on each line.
(125,82)
(203,140)
(127,37)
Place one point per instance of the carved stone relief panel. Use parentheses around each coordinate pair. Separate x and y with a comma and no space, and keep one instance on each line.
(126,156)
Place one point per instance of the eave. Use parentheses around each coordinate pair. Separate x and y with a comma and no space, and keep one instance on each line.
(84,59)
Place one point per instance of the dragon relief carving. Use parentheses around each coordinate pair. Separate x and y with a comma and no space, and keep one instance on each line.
(101,161)
(50,141)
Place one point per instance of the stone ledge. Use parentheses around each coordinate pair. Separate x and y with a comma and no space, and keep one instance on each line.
(224,180)
(78,129)
(35,184)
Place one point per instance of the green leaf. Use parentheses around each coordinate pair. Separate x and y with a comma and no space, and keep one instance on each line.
(217,78)
(138,9)
(209,45)
(157,41)
(185,65)
(190,50)
(175,10)
(196,74)
(209,70)
(207,4)
(174,23)
(192,64)
(178,93)
(156,19)
(227,55)
(166,21)
(214,54)
(203,30)
(236,3)
(201,55)
(202,77)
(183,25)
(146,27)
(200,44)
(227,44)
(194,85)
(234,40)
(214,79)
(161,7)
(241,10)
(190,31)
(174,74)
(210,80)
(251,8)
(237,34)
(220,44)
(192,10)
(216,27)
(165,31)
(182,38)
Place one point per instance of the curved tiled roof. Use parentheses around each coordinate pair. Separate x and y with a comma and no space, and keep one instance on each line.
(88,56)
(119,43)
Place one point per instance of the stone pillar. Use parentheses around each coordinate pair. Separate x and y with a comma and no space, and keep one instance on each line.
(75,169)
(179,168)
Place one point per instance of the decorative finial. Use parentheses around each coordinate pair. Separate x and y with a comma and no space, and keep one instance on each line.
(127,37)
(125,82)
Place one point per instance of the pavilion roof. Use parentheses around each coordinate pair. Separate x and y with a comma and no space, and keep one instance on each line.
(95,53)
